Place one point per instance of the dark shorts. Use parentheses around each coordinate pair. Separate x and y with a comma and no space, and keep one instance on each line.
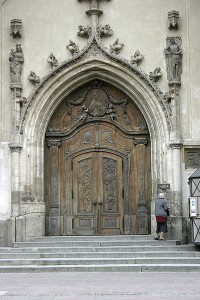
(161,227)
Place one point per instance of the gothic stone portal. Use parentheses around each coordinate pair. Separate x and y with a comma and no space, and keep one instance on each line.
(97,165)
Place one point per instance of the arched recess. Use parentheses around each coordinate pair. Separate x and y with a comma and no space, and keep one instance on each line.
(44,101)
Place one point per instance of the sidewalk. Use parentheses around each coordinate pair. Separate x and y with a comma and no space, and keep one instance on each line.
(96,286)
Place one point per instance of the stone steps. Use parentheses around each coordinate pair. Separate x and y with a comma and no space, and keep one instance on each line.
(99,254)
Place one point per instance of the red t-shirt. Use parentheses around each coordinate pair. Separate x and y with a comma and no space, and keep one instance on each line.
(161,219)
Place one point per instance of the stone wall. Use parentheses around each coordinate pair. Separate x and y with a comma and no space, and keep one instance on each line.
(47,27)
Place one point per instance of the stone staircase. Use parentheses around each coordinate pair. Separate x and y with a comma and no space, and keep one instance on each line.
(99,254)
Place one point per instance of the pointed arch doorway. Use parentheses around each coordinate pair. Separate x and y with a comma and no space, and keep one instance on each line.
(97,165)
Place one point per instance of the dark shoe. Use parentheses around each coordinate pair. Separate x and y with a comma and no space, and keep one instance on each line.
(156,238)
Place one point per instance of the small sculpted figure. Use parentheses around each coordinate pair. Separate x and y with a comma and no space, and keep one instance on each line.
(34,78)
(16,59)
(173,54)
(72,47)
(137,57)
(84,31)
(116,47)
(52,60)
(156,74)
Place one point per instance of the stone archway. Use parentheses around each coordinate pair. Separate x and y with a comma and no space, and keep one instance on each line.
(97,164)
(51,93)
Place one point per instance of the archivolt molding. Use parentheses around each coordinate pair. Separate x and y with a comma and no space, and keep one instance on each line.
(96,55)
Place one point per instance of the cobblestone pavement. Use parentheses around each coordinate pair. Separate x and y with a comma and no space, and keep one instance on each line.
(96,286)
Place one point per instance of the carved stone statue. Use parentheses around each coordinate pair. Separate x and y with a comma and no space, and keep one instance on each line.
(52,60)
(173,54)
(34,78)
(110,112)
(116,47)
(16,28)
(72,47)
(83,116)
(16,59)
(84,31)
(137,57)
(156,74)
(173,20)
(105,30)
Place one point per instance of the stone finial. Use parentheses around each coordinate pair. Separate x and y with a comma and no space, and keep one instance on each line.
(52,60)
(73,48)
(173,20)
(137,57)
(84,31)
(105,30)
(173,55)
(156,74)
(34,78)
(16,28)
(116,47)
(16,59)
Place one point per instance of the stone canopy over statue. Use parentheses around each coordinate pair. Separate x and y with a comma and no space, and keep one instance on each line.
(173,54)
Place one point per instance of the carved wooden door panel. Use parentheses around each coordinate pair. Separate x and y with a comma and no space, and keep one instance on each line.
(97,193)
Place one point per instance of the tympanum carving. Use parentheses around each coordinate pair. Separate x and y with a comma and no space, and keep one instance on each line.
(97,101)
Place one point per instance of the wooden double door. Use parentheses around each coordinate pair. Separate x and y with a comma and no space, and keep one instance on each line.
(97,185)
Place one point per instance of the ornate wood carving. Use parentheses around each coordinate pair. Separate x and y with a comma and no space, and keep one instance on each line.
(54,214)
(110,185)
(94,102)
(84,184)
(142,217)
(100,171)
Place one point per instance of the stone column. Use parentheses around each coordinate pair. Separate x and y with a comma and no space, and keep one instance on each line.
(54,213)
(142,213)
(176,219)
(15,161)
(94,12)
